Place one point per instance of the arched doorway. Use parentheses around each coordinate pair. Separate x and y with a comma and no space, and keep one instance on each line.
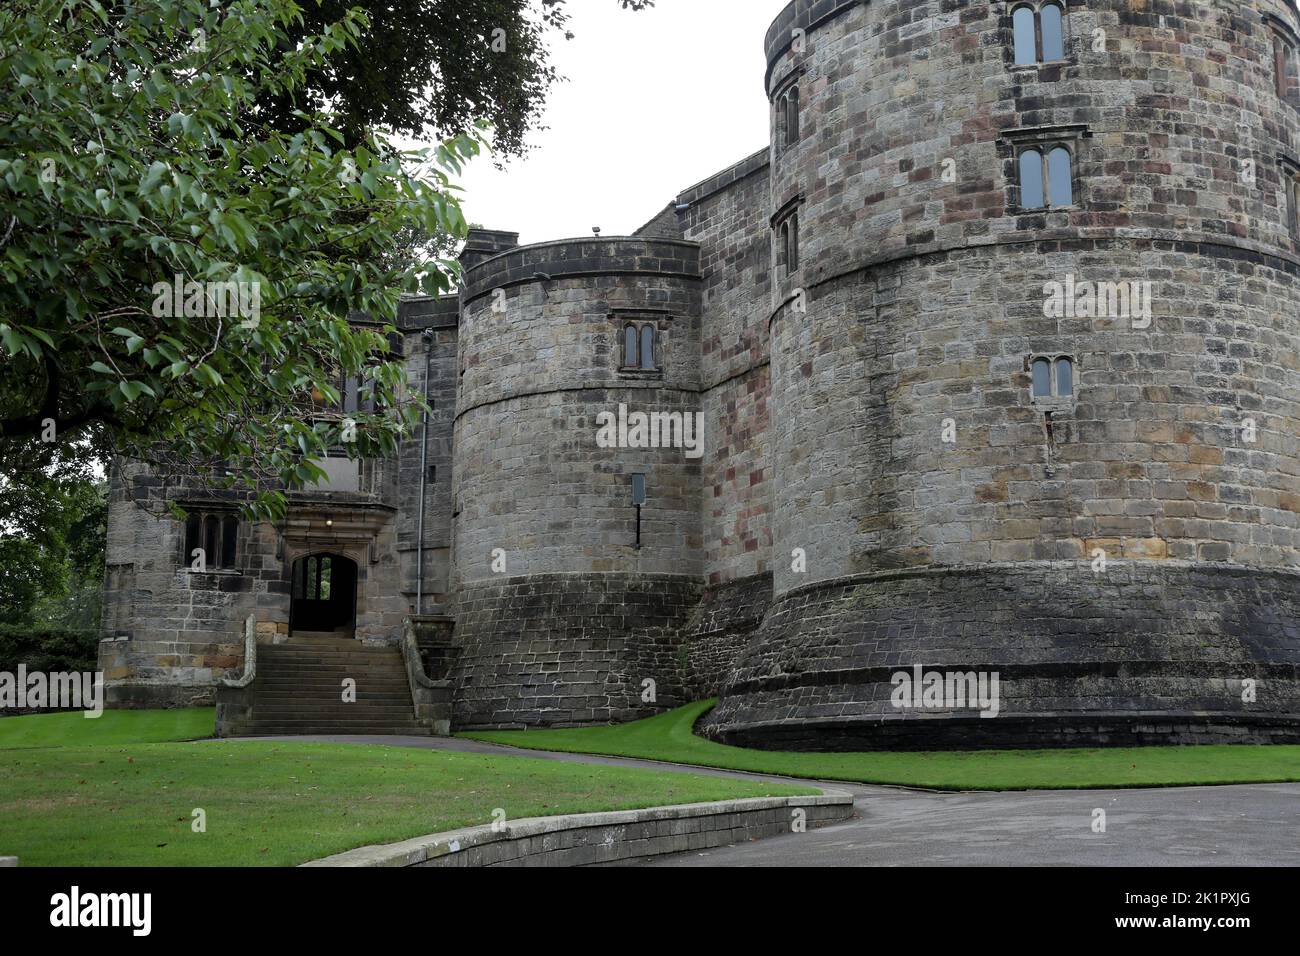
(324,596)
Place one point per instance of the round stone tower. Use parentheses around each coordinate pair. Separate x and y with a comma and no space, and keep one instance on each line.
(1035,363)
(569,597)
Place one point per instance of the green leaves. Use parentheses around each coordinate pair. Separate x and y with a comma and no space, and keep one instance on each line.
(187,269)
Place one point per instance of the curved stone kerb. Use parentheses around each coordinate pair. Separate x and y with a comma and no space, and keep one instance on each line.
(570,258)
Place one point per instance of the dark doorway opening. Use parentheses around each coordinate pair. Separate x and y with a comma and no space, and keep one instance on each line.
(324,596)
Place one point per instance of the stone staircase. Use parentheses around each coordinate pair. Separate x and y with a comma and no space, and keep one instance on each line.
(299,689)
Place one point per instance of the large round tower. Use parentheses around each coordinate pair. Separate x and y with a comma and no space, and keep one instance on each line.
(1035,365)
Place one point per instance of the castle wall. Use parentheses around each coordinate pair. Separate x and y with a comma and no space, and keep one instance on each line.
(171,632)
(436,355)
(925,303)
(727,216)
(555,604)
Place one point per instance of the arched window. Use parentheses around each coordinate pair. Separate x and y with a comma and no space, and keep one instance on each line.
(1041,374)
(785,246)
(640,342)
(1285,65)
(1031,179)
(648,348)
(1046,178)
(1051,377)
(1064,377)
(1026,35)
(1059,178)
(629,346)
(1051,19)
(1038,33)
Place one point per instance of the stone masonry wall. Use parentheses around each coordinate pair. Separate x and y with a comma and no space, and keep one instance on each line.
(441,316)
(727,215)
(564,650)
(171,632)
(1145,653)
(904,434)
(559,615)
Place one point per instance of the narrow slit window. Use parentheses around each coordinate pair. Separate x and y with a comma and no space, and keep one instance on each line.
(792,116)
(1293,206)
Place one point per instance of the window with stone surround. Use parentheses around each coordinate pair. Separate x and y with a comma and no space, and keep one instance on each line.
(1044,167)
(1051,379)
(792,115)
(786,104)
(640,343)
(1046,178)
(1038,32)
(216,535)
(1286,60)
(1289,175)
(785,225)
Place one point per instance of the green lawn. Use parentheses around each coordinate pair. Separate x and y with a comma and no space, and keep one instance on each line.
(105,801)
(112,727)
(670,737)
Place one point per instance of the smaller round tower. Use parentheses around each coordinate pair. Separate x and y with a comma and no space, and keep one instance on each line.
(569,596)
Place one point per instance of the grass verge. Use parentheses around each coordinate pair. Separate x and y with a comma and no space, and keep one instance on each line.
(268,803)
(671,737)
(112,727)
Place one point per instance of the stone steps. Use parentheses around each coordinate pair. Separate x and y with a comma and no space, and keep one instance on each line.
(299,689)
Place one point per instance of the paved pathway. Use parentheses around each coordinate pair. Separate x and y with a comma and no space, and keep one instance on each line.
(1254,825)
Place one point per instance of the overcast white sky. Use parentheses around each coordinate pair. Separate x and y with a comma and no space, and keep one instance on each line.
(655,102)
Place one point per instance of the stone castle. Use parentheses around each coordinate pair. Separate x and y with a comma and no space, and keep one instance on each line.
(996,354)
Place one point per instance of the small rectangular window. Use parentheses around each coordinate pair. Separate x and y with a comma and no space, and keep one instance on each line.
(638,489)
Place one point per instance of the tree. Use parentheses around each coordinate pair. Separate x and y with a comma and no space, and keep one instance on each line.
(430,68)
(52,530)
(177,272)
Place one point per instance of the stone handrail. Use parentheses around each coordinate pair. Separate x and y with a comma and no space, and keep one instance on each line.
(235,696)
(250,656)
(432,698)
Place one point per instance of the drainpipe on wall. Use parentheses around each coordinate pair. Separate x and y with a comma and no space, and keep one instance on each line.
(424,474)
